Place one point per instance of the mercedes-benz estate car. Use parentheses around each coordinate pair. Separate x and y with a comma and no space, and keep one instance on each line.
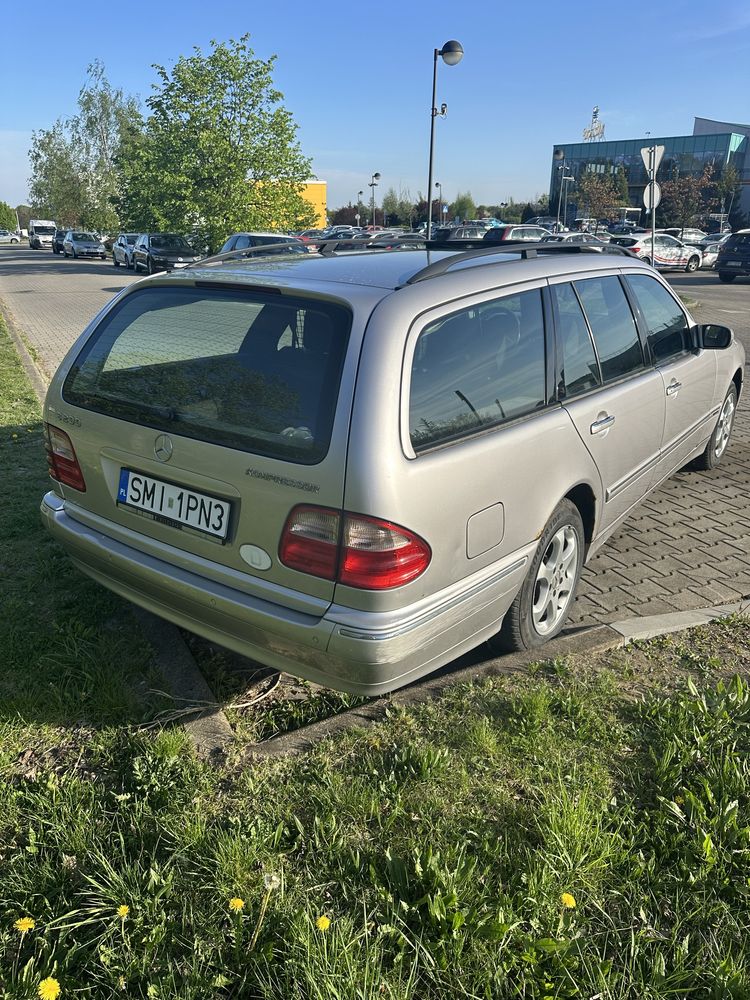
(354,468)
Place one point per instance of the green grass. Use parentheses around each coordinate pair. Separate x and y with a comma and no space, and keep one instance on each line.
(438,842)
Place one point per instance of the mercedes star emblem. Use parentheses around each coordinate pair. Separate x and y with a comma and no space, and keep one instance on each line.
(163,448)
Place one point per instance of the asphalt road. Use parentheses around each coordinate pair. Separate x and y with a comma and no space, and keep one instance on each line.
(687,546)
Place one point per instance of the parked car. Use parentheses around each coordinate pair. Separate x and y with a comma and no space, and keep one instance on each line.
(255,449)
(545,221)
(733,260)
(122,249)
(691,237)
(78,243)
(162,252)
(500,234)
(244,241)
(709,254)
(573,238)
(58,239)
(7,237)
(669,253)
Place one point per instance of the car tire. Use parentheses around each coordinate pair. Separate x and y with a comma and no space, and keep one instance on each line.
(150,266)
(135,265)
(75,254)
(717,443)
(693,264)
(726,276)
(543,603)
(115,261)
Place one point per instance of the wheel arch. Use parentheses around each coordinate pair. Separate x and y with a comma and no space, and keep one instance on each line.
(737,379)
(584,499)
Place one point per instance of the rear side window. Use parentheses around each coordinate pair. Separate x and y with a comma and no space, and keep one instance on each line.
(580,368)
(668,331)
(477,368)
(612,325)
(249,370)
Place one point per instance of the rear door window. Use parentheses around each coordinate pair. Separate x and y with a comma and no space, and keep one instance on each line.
(477,368)
(612,325)
(246,369)
(579,366)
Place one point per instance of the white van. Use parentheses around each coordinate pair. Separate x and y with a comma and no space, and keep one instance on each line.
(41,232)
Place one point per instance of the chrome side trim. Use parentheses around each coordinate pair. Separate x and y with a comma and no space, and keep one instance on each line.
(686,434)
(393,632)
(616,489)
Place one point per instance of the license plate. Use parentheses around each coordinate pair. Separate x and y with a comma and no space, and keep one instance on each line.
(174,504)
(734,263)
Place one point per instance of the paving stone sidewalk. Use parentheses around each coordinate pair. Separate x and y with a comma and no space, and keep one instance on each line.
(686,547)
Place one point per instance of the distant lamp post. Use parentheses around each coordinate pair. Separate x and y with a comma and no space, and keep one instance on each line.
(358,216)
(559,155)
(439,186)
(451,53)
(372,185)
(566,180)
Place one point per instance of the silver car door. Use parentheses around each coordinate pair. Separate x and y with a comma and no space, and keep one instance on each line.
(689,376)
(620,414)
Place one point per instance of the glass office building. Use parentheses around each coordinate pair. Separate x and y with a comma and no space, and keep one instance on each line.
(684,154)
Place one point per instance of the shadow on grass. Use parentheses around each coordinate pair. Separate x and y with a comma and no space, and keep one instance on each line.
(71,651)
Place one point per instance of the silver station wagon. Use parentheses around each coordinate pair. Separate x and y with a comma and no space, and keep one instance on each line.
(356,467)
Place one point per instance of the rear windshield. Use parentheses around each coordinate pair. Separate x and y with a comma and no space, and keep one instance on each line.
(738,240)
(247,369)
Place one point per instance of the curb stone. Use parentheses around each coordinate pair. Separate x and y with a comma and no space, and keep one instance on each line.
(586,640)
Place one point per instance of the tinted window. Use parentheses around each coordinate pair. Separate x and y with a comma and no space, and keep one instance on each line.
(242,243)
(579,367)
(668,331)
(477,368)
(612,325)
(242,370)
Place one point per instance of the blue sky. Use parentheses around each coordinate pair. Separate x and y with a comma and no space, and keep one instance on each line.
(357,78)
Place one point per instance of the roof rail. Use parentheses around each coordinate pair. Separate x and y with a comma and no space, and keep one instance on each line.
(218,258)
(526,251)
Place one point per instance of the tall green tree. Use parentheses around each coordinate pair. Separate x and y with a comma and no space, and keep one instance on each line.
(74,168)
(7,216)
(621,183)
(463,207)
(219,152)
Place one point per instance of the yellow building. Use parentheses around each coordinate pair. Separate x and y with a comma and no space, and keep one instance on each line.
(315,193)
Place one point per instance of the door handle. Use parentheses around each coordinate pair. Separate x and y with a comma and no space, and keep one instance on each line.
(673,387)
(602,424)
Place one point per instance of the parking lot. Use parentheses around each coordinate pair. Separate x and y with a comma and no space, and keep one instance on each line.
(686,547)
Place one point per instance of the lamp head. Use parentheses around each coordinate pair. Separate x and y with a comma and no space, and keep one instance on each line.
(559,154)
(376,177)
(452,52)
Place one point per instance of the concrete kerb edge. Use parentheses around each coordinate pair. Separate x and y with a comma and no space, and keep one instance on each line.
(209,731)
(34,373)
(596,639)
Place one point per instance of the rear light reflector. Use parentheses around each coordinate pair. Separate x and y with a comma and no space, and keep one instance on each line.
(353,549)
(61,458)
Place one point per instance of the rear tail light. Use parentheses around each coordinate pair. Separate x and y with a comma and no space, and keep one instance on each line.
(353,549)
(61,458)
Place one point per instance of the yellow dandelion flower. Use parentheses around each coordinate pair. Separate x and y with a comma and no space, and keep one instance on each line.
(48,989)
(568,901)
(323,923)
(236,905)
(24,924)
(123,911)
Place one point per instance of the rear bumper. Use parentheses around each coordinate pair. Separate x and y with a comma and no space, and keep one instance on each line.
(351,650)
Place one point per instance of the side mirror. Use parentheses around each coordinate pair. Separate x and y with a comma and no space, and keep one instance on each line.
(713,337)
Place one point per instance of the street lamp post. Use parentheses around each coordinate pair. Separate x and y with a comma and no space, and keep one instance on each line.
(358,216)
(439,186)
(559,154)
(372,185)
(564,180)
(451,53)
